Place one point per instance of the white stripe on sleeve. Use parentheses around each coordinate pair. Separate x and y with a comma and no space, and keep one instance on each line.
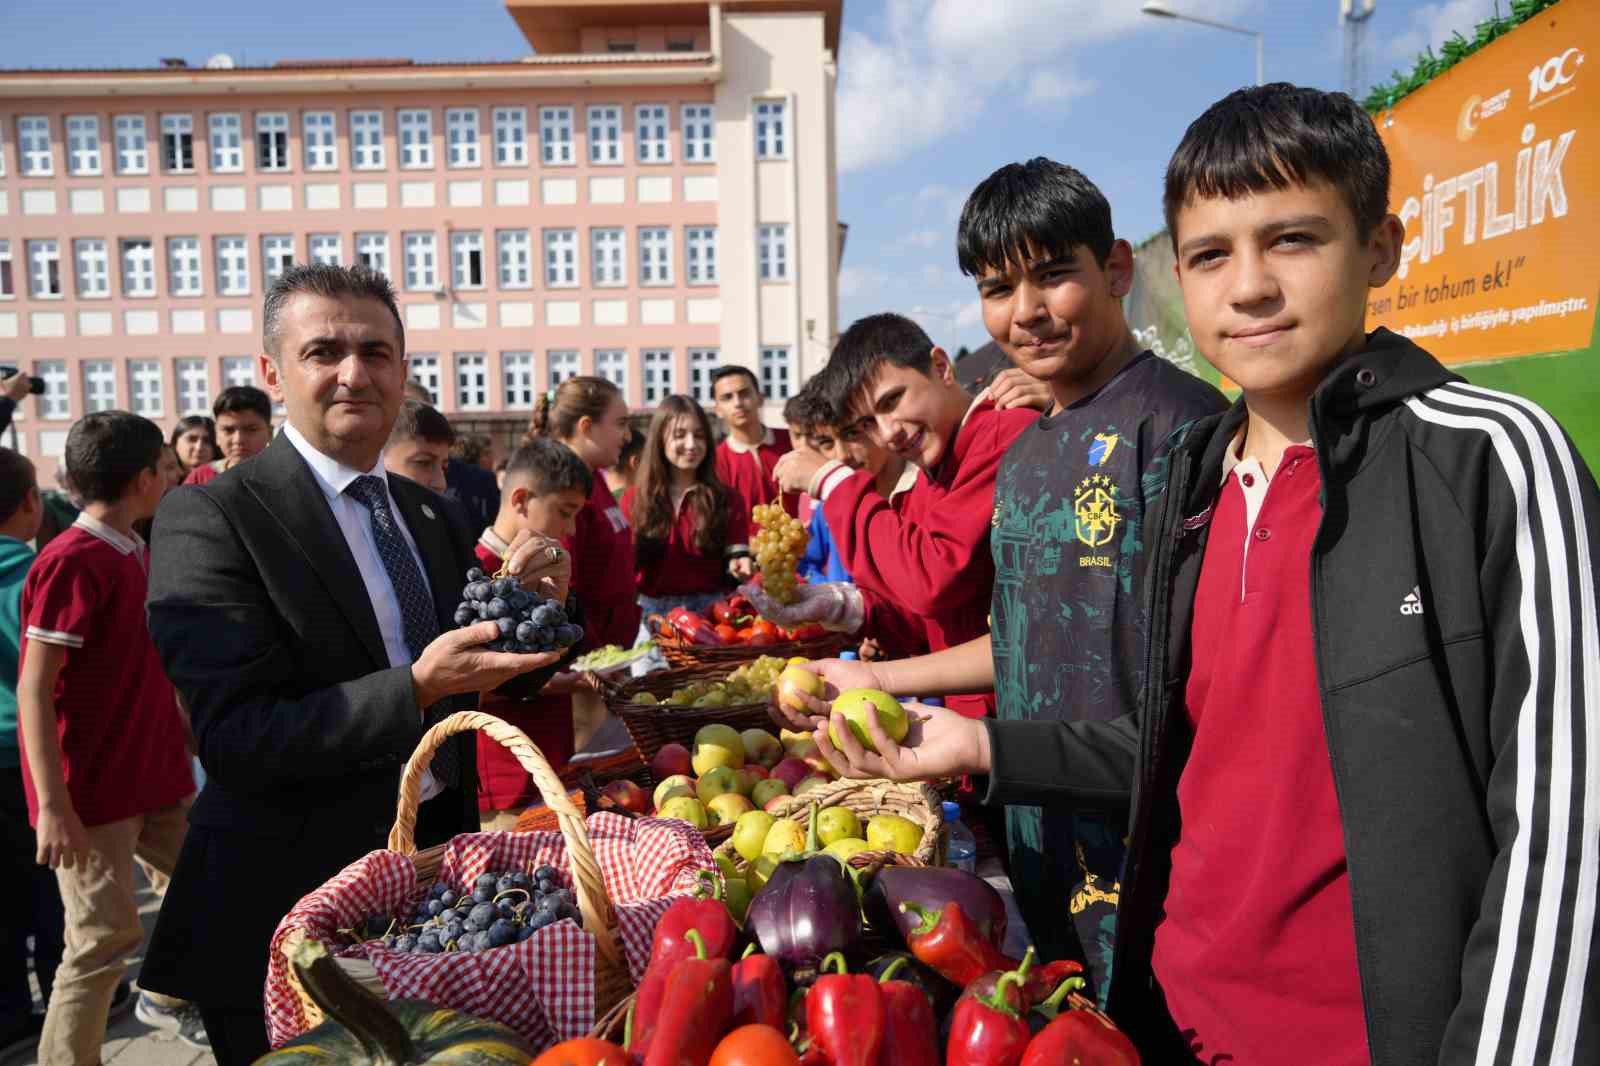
(54,636)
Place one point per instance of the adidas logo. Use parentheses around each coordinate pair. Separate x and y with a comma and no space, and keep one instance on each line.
(1412,604)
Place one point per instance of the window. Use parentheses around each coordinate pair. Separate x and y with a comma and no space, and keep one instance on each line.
(702,361)
(272,140)
(651,133)
(56,400)
(227,143)
(461,131)
(563,365)
(321,140)
(511,136)
(277,254)
(772,124)
(472,381)
(609,256)
(93,267)
(516,371)
(194,386)
(83,144)
(605,134)
(773,252)
(2,149)
(425,371)
(416,139)
(422,263)
(466,259)
(700,247)
(325,248)
(657,374)
(699,134)
(238,370)
(177,144)
(655,255)
(612,364)
(680,44)
(183,266)
(555,136)
(44,269)
(8,284)
(144,387)
(133,151)
(233,266)
(366,140)
(560,258)
(138,267)
(622,46)
(99,385)
(372,251)
(33,146)
(775,373)
(514,250)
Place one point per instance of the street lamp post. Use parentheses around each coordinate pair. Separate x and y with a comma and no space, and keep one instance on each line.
(1161,10)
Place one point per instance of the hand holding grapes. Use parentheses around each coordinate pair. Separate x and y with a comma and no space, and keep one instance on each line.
(540,564)
(796,469)
(461,661)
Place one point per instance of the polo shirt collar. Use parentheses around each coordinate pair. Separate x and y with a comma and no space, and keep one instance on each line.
(494,542)
(100,531)
(907,482)
(739,447)
(333,477)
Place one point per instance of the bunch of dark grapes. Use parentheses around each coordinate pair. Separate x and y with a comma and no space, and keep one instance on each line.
(778,545)
(528,623)
(500,909)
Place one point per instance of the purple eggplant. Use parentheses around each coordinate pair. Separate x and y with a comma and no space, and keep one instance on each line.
(807,909)
(932,887)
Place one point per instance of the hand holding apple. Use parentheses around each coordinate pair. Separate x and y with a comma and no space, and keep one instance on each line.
(837,676)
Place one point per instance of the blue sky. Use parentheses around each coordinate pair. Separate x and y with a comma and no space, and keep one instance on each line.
(934,94)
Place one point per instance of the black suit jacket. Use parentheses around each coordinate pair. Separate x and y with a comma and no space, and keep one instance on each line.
(265,627)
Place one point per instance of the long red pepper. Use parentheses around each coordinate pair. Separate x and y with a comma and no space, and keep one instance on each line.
(1081,1038)
(694,1010)
(950,943)
(760,996)
(671,948)
(845,1015)
(985,1030)
(910,1032)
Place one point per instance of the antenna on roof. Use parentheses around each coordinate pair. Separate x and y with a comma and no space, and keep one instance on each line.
(220,61)
(173,62)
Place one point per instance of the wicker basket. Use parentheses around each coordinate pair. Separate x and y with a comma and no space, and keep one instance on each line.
(730,655)
(655,725)
(916,802)
(612,983)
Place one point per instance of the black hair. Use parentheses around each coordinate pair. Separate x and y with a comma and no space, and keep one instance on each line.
(549,466)
(17,479)
(419,421)
(188,422)
(859,353)
(332,281)
(470,448)
(1026,210)
(801,410)
(1274,136)
(632,449)
(107,450)
(727,371)
(243,399)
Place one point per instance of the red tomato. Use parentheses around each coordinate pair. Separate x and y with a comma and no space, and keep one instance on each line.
(583,1052)
(745,634)
(722,612)
(727,633)
(754,1045)
(763,631)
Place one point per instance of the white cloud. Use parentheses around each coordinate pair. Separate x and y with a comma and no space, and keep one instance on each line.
(1053,88)
(1432,24)
(861,281)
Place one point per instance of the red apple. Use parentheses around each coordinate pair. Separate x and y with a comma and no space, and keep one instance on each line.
(626,794)
(772,805)
(670,760)
(756,773)
(791,772)
(818,764)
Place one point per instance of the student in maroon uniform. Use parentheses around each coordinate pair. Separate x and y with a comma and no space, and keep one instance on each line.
(748,456)
(244,428)
(590,416)
(419,445)
(691,535)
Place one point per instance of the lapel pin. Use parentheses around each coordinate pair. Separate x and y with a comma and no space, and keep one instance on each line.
(427,511)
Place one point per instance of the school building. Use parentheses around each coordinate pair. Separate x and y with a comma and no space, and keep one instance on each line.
(650,194)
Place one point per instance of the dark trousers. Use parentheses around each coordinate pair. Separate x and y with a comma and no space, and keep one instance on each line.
(37,910)
(237,1036)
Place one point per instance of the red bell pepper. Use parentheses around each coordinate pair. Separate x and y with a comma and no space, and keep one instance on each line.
(760,996)
(1044,981)
(1081,1038)
(695,1009)
(910,1032)
(706,914)
(845,1015)
(951,944)
(985,1030)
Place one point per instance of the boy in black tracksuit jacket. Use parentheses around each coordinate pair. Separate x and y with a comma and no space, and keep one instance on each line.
(1450,634)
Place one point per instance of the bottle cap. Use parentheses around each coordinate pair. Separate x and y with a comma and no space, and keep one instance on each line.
(934,701)
(849,656)
(952,811)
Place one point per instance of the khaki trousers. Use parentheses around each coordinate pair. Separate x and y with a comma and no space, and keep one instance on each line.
(102,929)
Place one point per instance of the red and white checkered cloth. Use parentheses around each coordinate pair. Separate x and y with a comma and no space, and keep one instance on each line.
(542,987)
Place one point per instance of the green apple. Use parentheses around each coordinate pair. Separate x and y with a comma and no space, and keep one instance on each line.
(717,745)
(716,781)
(890,832)
(784,836)
(761,871)
(750,834)
(726,808)
(846,847)
(761,747)
(814,781)
(687,809)
(803,747)
(790,737)
(837,823)
(736,896)
(853,704)
(768,790)
(727,864)
(676,785)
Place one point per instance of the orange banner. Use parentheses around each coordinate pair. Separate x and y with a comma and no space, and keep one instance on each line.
(1497,179)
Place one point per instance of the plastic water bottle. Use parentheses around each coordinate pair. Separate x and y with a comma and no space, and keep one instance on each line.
(849,656)
(961,851)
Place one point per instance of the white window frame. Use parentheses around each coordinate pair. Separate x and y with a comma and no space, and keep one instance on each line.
(225,135)
(772,251)
(83,145)
(414,129)
(463,130)
(518,381)
(319,140)
(177,157)
(91,265)
(466,259)
(193,380)
(137,255)
(702,361)
(612,364)
(372,252)
(513,253)
(655,256)
(44,269)
(472,381)
(35,156)
(699,125)
(608,256)
(563,364)
(510,127)
(231,253)
(659,373)
(556,126)
(560,243)
(55,402)
(366,140)
(8,273)
(132,143)
(604,125)
(772,129)
(142,374)
(238,370)
(424,368)
(2,149)
(777,372)
(99,385)
(272,126)
(422,260)
(185,270)
(277,256)
(700,255)
(652,133)
(318,246)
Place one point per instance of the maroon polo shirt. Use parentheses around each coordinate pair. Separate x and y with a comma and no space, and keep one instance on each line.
(1256,952)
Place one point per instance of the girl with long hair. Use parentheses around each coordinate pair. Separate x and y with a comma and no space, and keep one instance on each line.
(194,439)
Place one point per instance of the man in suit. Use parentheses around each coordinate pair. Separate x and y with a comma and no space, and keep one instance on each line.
(302,603)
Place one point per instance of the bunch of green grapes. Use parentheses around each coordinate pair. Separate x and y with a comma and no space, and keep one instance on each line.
(758,677)
(778,545)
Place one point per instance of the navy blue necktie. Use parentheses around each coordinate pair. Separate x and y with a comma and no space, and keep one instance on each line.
(416,604)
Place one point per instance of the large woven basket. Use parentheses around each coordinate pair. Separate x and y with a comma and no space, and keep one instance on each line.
(612,982)
(914,801)
(654,725)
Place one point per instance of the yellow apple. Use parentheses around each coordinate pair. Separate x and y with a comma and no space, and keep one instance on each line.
(761,747)
(890,832)
(784,836)
(766,791)
(717,745)
(716,781)
(750,833)
(726,808)
(837,823)
(687,809)
(794,685)
(676,785)
(853,705)
(848,846)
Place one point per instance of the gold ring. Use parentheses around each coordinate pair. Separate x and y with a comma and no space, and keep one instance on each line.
(554,552)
